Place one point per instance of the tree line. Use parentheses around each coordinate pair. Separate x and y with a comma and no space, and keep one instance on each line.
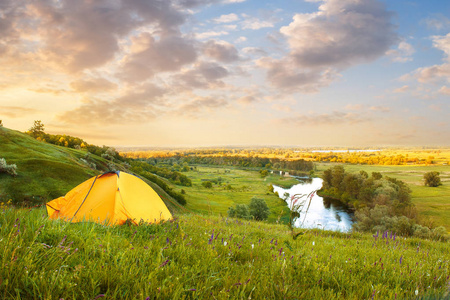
(380,203)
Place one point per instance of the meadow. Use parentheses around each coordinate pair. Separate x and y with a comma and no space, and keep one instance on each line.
(233,186)
(211,257)
(432,203)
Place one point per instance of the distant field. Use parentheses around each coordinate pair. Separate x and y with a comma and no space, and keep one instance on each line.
(244,185)
(433,203)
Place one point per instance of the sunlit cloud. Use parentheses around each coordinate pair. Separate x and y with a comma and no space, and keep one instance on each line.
(402,54)
(341,34)
(16,112)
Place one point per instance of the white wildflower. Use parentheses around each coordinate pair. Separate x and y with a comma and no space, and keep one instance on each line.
(225,243)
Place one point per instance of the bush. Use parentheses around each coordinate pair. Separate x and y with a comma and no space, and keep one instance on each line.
(432,179)
(240,211)
(8,169)
(259,209)
(207,184)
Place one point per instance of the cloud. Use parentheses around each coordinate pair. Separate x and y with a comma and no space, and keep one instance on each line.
(255,24)
(226,18)
(149,56)
(240,39)
(380,108)
(285,75)
(444,90)
(199,105)
(74,36)
(142,103)
(402,54)
(439,22)
(16,111)
(233,1)
(221,51)
(204,75)
(209,34)
(341,34)
(325,119)
(95,85)
(254,51)
(435,73)
(401,89)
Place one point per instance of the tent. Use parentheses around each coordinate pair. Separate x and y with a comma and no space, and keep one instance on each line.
(111,198)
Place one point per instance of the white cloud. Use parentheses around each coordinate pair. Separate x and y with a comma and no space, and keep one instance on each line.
(233,1)
(255,24)
(402,54)
(226,18)
(209,34)
(340,34)
(240,39)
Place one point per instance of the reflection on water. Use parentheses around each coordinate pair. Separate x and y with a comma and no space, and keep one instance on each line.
(323,213)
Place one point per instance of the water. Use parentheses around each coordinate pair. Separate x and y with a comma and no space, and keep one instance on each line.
(323,213)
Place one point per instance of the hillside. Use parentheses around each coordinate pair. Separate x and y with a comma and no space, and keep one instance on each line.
(211,257)
(46,171)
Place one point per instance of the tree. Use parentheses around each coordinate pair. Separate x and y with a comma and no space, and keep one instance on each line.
(240,211)
(259,209)
(207,184)
(37,129)
(376,175)
(432,179)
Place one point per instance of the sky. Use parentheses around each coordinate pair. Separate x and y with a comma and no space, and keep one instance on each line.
(189,73)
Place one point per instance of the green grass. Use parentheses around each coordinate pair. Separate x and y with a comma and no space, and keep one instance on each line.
(245,184)
(47,171)
(197,257)
(433,203)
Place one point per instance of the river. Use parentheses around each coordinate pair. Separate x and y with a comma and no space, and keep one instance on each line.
(324,213)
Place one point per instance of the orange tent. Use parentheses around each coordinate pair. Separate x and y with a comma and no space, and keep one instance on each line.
(111,198)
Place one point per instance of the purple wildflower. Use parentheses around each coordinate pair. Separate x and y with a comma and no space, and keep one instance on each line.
(167,241)
(164,263)
(100,296)
(193,290)
(401,259)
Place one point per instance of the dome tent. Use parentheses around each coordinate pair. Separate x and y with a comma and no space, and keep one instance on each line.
(111,198)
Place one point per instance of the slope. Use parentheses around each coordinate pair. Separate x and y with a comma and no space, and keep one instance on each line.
(46,171)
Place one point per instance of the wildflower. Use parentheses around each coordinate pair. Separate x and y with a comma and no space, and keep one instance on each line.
(164,263)
(193,290)
(100,296)
(417,292)
(401,258)
(253,246)
(225,243)
(313,243)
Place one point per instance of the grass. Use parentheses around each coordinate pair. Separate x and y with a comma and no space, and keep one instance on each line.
(433,203)
(244,184)
(47,171)
(197,257)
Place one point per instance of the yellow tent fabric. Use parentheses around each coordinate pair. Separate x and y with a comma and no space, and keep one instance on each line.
(112,199)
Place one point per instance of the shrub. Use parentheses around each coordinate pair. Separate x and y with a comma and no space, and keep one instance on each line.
(259,209)
(432,179)
(207,184)
(240,211)
(8,169)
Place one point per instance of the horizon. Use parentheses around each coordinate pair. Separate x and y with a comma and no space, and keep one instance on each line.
(229,73)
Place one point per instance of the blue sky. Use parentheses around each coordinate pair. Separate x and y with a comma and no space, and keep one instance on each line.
(229,72)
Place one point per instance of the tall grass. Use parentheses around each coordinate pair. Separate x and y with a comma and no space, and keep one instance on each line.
(211,258)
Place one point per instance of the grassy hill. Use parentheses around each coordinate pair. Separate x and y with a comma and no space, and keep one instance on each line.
(195,257)
(46,171)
